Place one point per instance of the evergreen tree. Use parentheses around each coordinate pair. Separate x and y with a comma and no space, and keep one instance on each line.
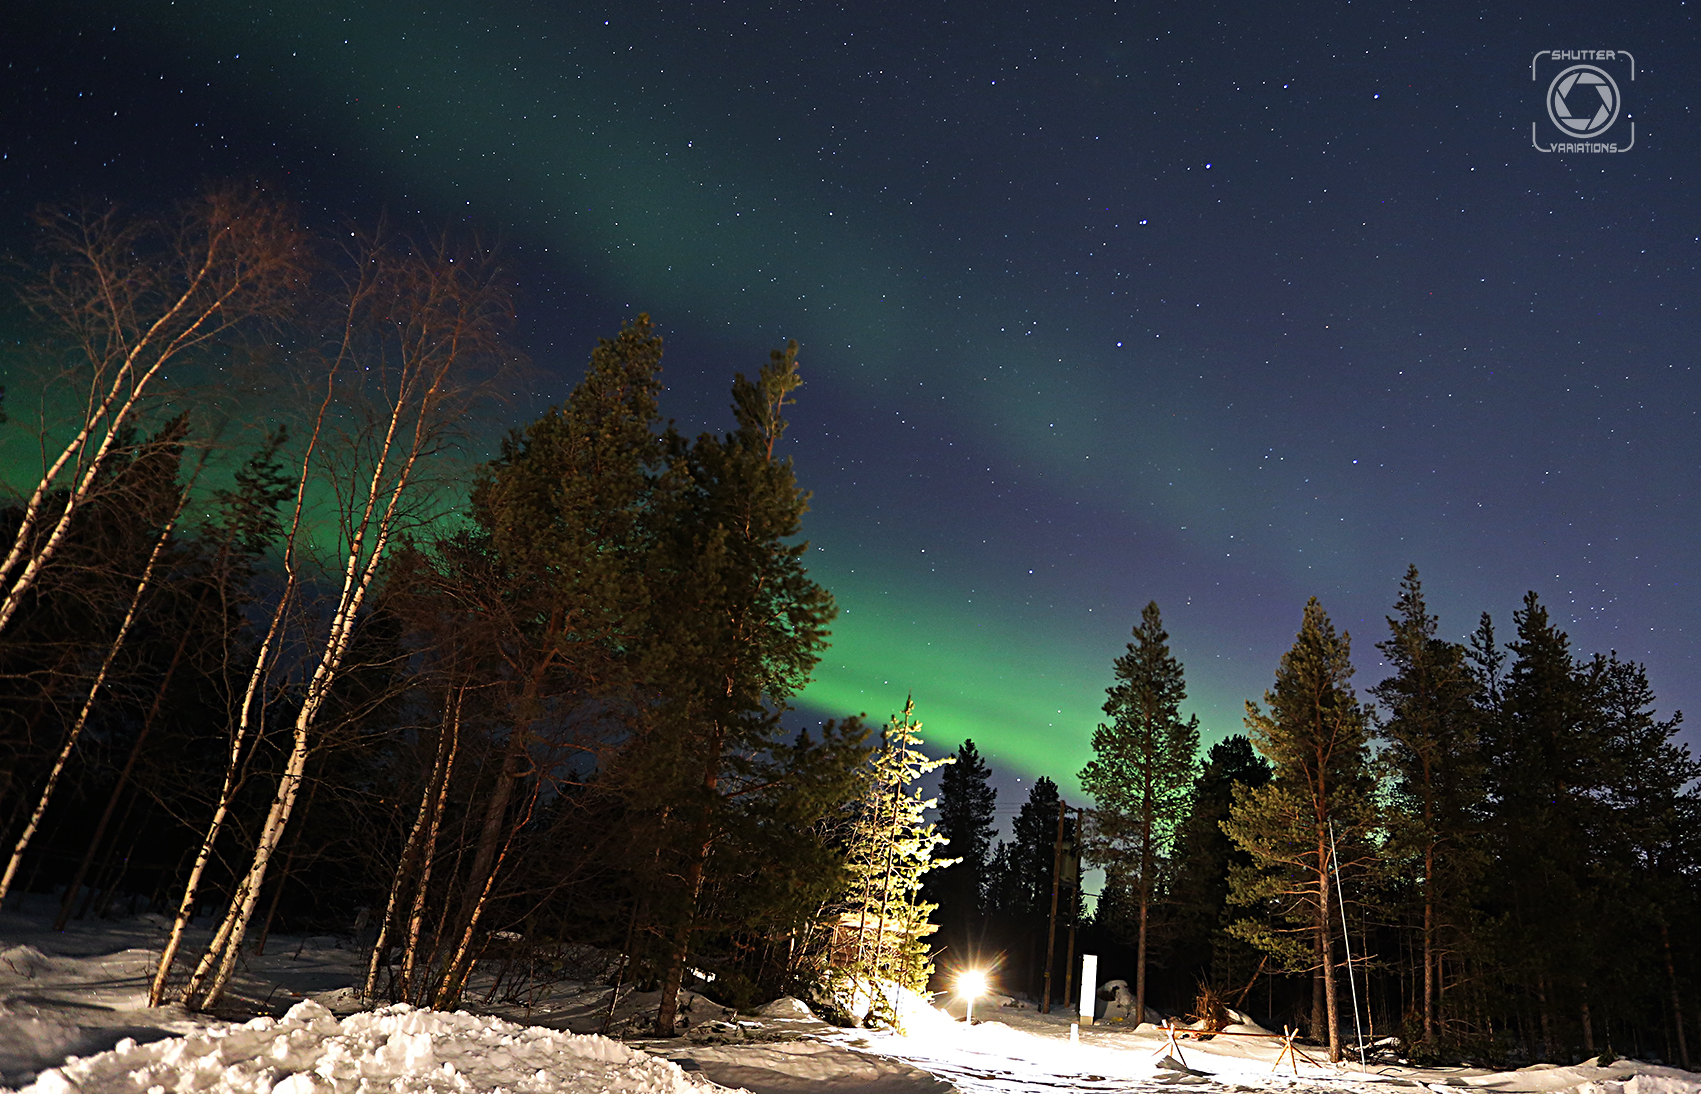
(1645,838)
(1314,732)
(966,801)
(1019,883)
(892,848)
(1142,769)
(1204,855)
(1431,730)
(1543,775)
(783,859)
(738,627)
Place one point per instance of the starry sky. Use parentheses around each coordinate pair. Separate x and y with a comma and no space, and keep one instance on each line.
(1222,305)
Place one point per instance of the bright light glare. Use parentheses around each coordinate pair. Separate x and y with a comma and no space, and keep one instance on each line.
(971,983)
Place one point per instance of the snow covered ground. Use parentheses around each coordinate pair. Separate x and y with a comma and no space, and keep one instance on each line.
(73,1018)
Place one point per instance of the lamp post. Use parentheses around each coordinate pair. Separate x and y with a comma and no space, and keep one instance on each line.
(971,984)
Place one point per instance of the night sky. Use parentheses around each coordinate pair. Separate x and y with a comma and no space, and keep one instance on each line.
(1221,305)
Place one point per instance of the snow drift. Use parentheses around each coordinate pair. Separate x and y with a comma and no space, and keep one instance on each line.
(397,1049)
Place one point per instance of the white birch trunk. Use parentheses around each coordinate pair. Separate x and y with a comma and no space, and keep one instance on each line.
(416,915)
(245,717)
(424,819)
(359,571)
(459,967)
(82,718)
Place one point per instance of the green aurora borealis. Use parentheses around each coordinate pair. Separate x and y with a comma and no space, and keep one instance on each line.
(1058,362)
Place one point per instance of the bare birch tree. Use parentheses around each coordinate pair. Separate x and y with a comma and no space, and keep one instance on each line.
(428,321)
(128,298)
(246,717)
(170,439)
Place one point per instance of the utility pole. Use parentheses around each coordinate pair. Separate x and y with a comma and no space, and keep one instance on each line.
(1074,905)
(1051,934)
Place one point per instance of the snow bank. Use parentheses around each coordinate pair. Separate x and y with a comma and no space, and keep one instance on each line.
(29,1033)
(785,1007)
(397,1049)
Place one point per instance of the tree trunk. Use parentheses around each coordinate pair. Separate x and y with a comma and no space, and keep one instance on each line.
(1325,944)
(202,993)
(377,515)
(95,840)
(460,963)
(1319,1007)
(82,718)
(425,820)
(245,717)
(490,837)
(283,878)
(693,885)
(1546,1024)
(1145,901)
(1676,1000)
(428,853)
(1429,942)
(245,722)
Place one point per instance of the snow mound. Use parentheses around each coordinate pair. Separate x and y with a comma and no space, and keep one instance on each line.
(398,1049)
(1590,1078)
(785,1007)
(24,962)
(28,1033)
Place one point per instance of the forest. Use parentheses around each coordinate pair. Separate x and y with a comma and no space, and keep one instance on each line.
(318,667)
(1492,857)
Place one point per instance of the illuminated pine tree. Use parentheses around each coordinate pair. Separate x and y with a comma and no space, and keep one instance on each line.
(885,919)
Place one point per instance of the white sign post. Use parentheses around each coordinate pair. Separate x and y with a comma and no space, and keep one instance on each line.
(1089,986)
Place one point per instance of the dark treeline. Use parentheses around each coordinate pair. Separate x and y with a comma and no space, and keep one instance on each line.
(522,717)
(1505,836)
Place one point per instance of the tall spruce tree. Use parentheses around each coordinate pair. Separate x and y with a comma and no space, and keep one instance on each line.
(1542,776)
(1648,836)
(1198,886)
(1431,729)
(966,802)
(1142,769)
(1314,732)
(1019,884)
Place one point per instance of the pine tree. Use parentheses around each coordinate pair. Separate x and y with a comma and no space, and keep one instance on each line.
(1142,769)
(966,802)
(738,627)
(1314,732)
(781,861)
(892,847)
(1431,729)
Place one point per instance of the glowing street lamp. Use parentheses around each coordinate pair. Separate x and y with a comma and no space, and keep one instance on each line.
(971,984)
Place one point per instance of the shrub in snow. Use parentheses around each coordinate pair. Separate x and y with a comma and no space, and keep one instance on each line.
(846,999)
(840,997)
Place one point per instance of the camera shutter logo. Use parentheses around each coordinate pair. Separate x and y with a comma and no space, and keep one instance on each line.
(1583,101)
